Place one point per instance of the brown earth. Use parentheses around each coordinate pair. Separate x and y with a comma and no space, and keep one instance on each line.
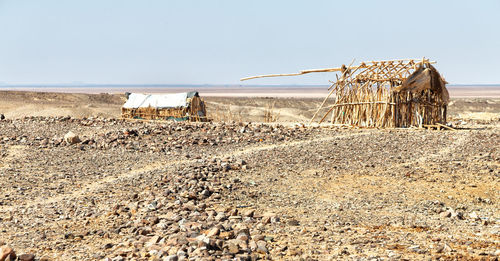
(18,104)
(174,191)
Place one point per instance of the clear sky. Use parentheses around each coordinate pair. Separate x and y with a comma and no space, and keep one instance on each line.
(218,42)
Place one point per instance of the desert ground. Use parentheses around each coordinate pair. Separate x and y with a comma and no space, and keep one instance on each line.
(240,188)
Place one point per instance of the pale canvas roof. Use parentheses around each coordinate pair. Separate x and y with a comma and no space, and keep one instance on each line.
(139,100)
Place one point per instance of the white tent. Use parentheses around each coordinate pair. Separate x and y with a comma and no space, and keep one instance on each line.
(160,101)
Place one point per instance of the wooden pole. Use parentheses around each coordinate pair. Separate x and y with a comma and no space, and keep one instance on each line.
(337,69)
(323,103)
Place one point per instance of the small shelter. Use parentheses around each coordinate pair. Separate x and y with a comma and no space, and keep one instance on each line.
(178,106)
(394,93)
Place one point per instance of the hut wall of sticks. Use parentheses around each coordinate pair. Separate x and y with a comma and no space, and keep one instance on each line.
(179,107)
(393,93)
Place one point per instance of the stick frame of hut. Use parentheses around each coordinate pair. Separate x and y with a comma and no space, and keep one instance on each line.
(179,107)
(392,93)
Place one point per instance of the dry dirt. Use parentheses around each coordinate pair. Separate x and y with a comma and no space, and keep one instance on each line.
(18,104)
(239,190)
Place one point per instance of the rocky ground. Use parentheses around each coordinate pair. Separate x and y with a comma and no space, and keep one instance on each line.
(179,191)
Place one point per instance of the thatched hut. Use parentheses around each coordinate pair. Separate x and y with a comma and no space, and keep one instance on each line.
(422,98)
(178,106)
(395,93)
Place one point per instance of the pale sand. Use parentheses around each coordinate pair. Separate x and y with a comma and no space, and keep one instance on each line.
(294,107)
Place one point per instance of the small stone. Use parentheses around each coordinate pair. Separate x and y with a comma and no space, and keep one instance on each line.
(262,247)
(153,240)
(203,238)
(108,246)
(458,215)
(249,213)
(221,216)
(241,229)
(7,253)
(26,257)
(445,214)
(233,249)
(242,237)
(233,218)
(298,252)
(226,235)
(205,193)
(293,222)
(270,218)
(213,232)
(241,162)
(474,216)
(171,258)
(71,138)
(392,254)
(252,245)
(258,237)
(415,248)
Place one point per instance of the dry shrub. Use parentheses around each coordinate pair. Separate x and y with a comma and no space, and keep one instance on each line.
(227,115)
(270,115)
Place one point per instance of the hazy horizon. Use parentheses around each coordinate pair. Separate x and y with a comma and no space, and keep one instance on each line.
(90,85)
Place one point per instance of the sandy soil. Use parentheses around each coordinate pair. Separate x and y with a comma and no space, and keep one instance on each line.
(233,189)
(17,104)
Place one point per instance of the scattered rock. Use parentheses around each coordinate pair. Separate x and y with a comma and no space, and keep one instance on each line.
(249,213)
(71,138)
(473,215)
(262,247)
(445,214)
(7,253)
(171,258)
(26,257)
(108,246)
(233,248)
(213,232)
(121,188)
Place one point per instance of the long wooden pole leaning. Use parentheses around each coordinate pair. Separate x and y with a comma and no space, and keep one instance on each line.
(323,103)
(292,74)
(338,69)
